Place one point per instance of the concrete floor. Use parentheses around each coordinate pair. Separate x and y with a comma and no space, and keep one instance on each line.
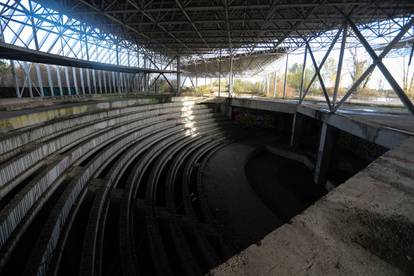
(242,214)
(363,227)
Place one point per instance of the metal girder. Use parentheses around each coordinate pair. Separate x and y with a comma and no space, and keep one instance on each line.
(340,61)
(321,64)
(158,25)
(13,52)
(394,84)
(377,61)
(318,73)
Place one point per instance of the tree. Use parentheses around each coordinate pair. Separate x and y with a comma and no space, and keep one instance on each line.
(295,76)
(359,65)
(408,78)
(329,72)
(4,72)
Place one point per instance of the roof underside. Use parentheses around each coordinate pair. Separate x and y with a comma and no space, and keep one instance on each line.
(205,26)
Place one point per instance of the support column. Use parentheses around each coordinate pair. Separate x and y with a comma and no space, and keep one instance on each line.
(82,80)
(303,74)
(339,69)
(219,78)
(59,79)
(36,42)
(285,80)
(94,81)
(178,76)
(75,80)
(297,129)
(29,80)
(88,79)
(99,73)
(323,161)
(50,80)
(67,80)
(231,76)
(275,86)
(267,85)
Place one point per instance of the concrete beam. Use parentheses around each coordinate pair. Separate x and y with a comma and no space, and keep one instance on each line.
(379,134)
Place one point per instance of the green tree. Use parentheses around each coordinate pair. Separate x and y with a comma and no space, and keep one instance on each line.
(4,71)
(359,65)
(295,76)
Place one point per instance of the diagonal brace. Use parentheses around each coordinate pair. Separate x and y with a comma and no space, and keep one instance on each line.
(377,61)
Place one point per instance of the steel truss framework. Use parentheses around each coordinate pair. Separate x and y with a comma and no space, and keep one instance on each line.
(211,34)
(332,103)
(99,62)
(236,26)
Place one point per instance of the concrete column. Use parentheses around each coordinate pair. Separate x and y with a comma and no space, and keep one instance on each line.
(323,161)
(297,130)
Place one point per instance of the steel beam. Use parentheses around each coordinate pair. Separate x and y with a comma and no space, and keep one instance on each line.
(371,68)
(325,93)
(378,61)
(302,78)
(340,61)
(178,75)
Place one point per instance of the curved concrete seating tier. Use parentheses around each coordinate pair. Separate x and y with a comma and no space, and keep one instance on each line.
(131,161)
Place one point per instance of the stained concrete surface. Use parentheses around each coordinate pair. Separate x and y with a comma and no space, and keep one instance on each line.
(363,227)
(250,190)
(285,186)
(238,209)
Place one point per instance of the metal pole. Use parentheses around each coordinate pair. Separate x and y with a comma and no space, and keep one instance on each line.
(285,80)
(275,86)
(82,80)
(88,79)
(196,76)
(29,80)
(219,78)
(339,69)
(126,86)
(104,82)
(75,80)
(50,80)
(303,73)
(38,73)
(67,80)
(267,84)
(16,80)
(94,81)
(317,69)
(59,78)
(178,76)
(100,81)
(231,76)
(315,75)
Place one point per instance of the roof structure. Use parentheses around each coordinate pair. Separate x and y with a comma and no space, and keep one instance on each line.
(204,27)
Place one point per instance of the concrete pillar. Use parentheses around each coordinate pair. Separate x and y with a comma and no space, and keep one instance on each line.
(323,161)
(297,130)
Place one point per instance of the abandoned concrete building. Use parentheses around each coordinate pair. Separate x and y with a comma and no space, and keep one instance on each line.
(209,137)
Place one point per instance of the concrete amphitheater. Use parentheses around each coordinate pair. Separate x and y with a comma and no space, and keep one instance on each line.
(110,166)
